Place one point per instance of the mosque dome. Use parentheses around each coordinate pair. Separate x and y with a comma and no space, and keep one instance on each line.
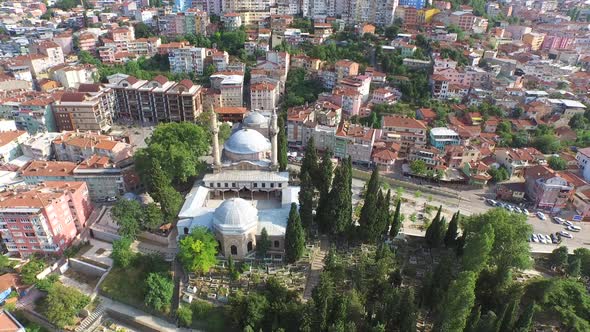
(254,119)
(246,141)
(235,214)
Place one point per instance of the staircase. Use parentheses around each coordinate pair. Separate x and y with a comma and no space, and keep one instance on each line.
(91,319)
(317,265)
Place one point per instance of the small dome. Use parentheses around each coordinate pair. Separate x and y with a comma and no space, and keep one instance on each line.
(235,214)
(254,119)
(246,141)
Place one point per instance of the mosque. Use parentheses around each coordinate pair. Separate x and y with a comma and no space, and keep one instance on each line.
(244,192)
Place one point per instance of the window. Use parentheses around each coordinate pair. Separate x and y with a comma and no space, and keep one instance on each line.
(233,184)
(280,185)
(27,227)
(12,220)
(250,246)
(263,185)
(272,185)
(226,185)
(24,247)
(30,234)
(17,234)
(255,185)
(218,184)
(20,241)
(234,250)
(277,244)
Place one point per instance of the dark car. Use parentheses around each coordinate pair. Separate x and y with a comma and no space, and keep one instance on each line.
(554,238)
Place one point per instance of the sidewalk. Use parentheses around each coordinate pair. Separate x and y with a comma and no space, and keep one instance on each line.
(140,317)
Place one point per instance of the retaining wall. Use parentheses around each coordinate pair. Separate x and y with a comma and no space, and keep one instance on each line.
(86,268)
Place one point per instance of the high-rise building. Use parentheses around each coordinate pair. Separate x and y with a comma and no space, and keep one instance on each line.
(90,108)
(44,218)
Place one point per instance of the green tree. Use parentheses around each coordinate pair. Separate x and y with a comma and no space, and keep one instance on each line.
(306,193)
(62,304)
(477,249)
(396,223)
(309,163)
(30,270)
(557,163)
(452,231)
(178,147)
(159,291)
(458,303)
(142,30)
(525,320)
(324,210)
(559,257)
(198,250)
(369,210)
(160,187)
(499,174)
(548,143)
(122,254)
(408,311)
(185,316)
(510,249)
(263,243)
(153,217)
(584,255)
(294,236)
(418,167)
(282,144)
(435,233)
(574,267)
(127,214)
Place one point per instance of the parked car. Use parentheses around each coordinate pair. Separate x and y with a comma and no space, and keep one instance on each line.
(542,238)
(525,211)
(573,228)
(517,209)
(568,223)
(535,238)
(541,215)
(558,220)
(111,199)
(554,239)
(491,202)
(565,234)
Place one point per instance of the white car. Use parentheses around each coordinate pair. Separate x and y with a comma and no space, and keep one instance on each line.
(517,209)
(542,238)
(565,234)
(535,238)
(558,220)
(573,228)
(541,215)
(525,211)
(568,223)
(548,239)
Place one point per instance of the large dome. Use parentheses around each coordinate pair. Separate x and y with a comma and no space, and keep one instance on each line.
(246,141)
(235,214)
(254,119)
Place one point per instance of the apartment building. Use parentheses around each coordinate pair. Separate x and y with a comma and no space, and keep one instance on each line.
(440,137)
(319,120)
(90,108)
(31,111)
(87,42)
(231,21)
(10,142)
(517,160)
(50,49)
(355,141)
(77,146)
(429,155)
(469,22)
(533,40)
(191,21)
(344,68)
(71,76)
(39,146)
(102,178)
(264,96)
(158,100)
(407,132)
(230,86)
(44,218)
(188,60)
(547,189)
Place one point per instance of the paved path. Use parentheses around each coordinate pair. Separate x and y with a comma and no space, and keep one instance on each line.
(317,265)
(140,316)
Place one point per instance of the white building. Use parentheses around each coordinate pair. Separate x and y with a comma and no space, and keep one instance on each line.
(264,96)
(187,60)
(72,76)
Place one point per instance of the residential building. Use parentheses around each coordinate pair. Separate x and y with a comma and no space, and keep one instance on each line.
(232,21)
(517,160)
(385,155)
(7,321)
(344,68)
(187,60)
(418,4)
(264,96)
(440,137)
(90,108)
(429,155)
(10,142)
(583,158)
(231,114)
(546,189)
(511,192)
(70,77)
(158,100)
(53,52)
(405,131)
(77,146)
(33,112)
(87,42)
(319,120)
(39,146)
(456,156)
(466,21)
(533,40)
(230,86)
(44,218)
(355,141)
(102,178)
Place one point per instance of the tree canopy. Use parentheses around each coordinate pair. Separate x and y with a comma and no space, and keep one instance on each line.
(198,250)
(160,289)
(62,304)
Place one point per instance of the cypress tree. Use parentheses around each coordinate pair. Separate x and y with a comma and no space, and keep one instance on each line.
(457,304)
(396,223)
(263,243)
(369,209)
(282,144)
(473,320)
(306,193)
(525,321)
(408,311)
(385,218)
(375,226)
(439,234)
(452,231)
(340,201)
(294,236)
(433,228)
(326,172)
(509,315)
(309,163)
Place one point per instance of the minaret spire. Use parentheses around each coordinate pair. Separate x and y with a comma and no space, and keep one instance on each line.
(273,138)
(215,130)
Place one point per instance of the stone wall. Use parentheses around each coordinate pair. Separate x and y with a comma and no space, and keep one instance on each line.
(86,268)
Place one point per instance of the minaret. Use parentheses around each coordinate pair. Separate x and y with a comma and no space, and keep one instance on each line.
(215,130)
(274,130)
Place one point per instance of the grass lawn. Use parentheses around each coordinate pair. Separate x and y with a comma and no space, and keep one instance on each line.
(127,285)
